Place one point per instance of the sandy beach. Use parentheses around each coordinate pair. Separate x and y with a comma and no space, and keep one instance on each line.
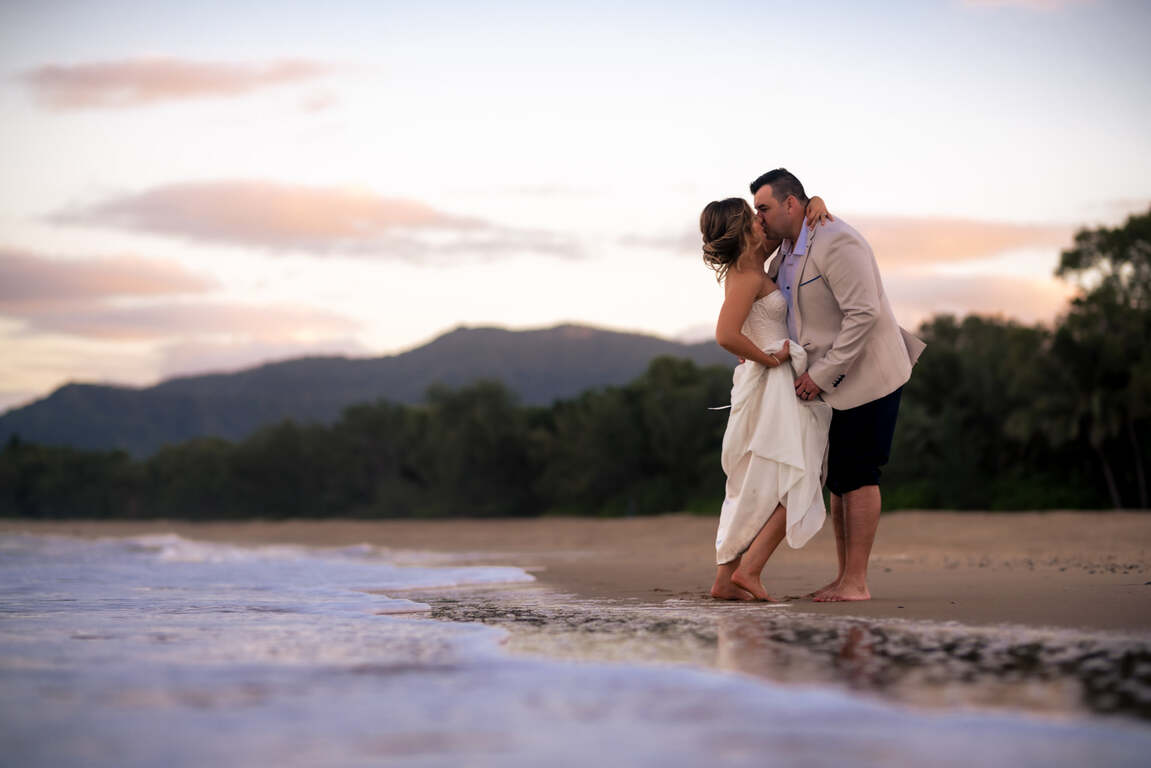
(1074,570)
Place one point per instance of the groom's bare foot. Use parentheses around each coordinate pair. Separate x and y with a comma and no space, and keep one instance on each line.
(729,591)
(752,585)
(844,593)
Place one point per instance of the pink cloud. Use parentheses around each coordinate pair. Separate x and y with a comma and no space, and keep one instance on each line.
(116,298)
(139,82)
(200,319)
(30,282)
(318,101)
(914,253)
(916,297)
(279,216)
(909,251)
(903,242)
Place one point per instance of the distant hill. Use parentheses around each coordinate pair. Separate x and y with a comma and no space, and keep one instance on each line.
(539,365)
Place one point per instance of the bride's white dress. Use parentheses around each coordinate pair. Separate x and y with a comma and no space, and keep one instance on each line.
(775,446)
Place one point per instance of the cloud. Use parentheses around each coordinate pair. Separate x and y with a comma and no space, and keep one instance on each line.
(487,244)
(933,265)
(31,283)
(321,220)
(200,319)
(908,242)
(958,266)
(916,297)
(140,82)
(687,242)
(116,297)
(266,214)
(318,101)
(903,242)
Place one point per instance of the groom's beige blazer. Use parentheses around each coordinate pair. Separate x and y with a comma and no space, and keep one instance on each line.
(856,350)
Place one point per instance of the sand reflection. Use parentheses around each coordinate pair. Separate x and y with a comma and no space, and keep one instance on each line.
(917,663)
(920,666)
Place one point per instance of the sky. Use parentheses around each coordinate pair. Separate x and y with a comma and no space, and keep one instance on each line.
(206,186)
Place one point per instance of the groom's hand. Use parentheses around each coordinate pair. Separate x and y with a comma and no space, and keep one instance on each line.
(806,389)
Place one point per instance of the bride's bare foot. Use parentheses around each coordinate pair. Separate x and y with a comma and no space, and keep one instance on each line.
(752,585)
(729,592)
(844,593)
(823,590)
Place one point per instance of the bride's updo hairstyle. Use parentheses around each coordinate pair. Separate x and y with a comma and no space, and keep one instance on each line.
(726,226)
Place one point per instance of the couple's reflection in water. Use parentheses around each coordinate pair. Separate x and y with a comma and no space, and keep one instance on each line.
(928,668)
(797,655)
(921,664)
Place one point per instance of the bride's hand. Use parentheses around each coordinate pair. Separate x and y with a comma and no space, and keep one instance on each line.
(817,212)
(784,353)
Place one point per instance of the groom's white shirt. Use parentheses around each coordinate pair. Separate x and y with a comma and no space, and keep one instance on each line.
(789,272)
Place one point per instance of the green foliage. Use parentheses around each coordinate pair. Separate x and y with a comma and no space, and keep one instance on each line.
(640,449)
(958,422)
(59,482)
(997,415)
(1102,347)
(191,479)
(471,453)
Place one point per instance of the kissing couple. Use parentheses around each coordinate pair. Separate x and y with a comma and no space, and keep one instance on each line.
(815,397)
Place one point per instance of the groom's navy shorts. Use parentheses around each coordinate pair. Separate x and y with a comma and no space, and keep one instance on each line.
(859,443)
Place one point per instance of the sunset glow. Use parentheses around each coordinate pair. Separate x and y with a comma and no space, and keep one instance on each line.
(207,186)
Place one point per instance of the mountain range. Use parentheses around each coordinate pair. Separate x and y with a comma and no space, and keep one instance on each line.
(540,366)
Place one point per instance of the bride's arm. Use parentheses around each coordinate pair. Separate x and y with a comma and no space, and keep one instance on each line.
(817,212)
(739,295)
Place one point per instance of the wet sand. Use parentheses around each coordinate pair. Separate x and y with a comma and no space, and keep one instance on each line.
(1047,613)
(1074,570)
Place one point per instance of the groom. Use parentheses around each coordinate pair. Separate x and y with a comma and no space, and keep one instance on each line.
(858,360)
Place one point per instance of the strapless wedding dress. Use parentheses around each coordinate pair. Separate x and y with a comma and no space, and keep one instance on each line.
(775,446)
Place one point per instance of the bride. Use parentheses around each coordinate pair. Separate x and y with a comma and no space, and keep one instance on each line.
(775,444)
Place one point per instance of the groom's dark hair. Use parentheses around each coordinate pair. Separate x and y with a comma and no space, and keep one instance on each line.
(782,183)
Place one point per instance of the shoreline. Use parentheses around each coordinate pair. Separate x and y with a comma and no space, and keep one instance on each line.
(1086,571)
(1083,650)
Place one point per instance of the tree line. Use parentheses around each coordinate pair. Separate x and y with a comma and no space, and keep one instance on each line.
(997,415)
